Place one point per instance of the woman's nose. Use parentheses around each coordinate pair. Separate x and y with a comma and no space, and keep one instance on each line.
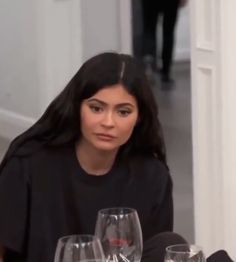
(108,120)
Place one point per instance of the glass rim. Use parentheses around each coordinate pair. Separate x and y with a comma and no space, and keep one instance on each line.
(93,259)
(196,248)
(88,236)
(111,210)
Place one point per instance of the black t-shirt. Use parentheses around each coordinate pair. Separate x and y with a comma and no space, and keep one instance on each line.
(48,195)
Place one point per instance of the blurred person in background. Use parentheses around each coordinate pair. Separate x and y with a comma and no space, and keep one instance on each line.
(151,10)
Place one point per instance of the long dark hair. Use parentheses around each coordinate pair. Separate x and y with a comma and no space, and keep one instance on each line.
(60,123)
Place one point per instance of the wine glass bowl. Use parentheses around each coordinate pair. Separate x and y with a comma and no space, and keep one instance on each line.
(77,248)
(184,253)
(120,233)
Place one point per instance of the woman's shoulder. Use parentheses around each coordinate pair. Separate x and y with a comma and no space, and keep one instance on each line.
(38,162)
(154,162)
(35,153)
(47,154)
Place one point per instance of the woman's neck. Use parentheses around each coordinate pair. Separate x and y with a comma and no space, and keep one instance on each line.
(93,161)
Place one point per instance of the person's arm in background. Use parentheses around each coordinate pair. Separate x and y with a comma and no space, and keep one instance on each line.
(2,250)
(182,3)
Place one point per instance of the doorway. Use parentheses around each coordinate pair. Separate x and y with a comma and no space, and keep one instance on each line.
(175,115)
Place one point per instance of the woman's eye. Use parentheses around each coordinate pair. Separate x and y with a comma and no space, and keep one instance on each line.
(95,109)
(124,112)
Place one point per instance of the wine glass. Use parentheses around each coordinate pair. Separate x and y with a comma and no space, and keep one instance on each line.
(74,248)
(120,233)
(184,253)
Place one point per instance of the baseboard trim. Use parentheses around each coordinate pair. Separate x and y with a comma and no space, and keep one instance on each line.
(13,124)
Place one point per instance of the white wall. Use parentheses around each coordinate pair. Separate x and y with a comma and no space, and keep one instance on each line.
(19,85)
(106,26)
(40,51)
(182,50)
(101,26)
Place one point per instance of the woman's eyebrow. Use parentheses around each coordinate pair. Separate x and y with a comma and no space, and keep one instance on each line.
(125,104)
(104,103)
(96,100)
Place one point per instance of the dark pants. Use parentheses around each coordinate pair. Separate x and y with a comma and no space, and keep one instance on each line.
(151,11)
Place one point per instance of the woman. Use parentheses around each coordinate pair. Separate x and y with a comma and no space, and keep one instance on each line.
(98,145)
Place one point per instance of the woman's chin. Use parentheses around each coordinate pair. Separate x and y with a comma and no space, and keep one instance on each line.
(106,147)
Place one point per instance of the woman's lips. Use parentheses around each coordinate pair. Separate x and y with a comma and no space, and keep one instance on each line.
(105,137)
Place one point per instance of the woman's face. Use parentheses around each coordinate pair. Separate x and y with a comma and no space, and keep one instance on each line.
(108,118)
